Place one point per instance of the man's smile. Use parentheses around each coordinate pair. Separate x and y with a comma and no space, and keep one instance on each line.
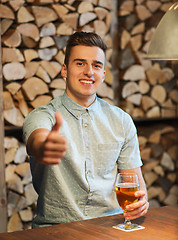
(87,81)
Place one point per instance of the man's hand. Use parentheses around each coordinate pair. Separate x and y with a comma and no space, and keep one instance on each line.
(138,208)
(48,147)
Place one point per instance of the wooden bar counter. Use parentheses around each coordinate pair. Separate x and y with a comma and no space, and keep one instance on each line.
(160,224)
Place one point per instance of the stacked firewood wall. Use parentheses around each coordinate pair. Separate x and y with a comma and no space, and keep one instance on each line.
(148,89)
(34,36)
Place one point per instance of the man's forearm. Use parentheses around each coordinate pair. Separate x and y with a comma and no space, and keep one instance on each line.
(35,141)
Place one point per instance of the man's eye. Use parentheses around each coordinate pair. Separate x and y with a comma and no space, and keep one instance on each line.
(80,63)
(97,66)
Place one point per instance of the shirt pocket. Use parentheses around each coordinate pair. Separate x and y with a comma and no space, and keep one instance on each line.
(108,154)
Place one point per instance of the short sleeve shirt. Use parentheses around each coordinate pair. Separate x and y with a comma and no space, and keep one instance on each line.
(100,140)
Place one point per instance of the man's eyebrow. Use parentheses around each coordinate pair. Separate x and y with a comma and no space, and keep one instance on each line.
(79,59)
(84,60)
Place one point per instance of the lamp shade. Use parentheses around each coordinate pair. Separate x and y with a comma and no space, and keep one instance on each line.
(164,43)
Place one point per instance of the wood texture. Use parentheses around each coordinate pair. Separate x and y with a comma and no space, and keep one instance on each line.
(3,197)
(101,228)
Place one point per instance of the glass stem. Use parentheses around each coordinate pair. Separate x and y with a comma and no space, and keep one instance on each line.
(128,224)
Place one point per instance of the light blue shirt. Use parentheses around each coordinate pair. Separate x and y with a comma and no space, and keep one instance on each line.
(100,139)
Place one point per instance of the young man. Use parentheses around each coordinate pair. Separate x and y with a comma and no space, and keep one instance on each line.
(78,143)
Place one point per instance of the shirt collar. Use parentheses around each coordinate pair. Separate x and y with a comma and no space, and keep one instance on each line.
(77,110)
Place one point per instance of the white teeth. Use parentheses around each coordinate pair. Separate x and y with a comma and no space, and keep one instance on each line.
(89,82)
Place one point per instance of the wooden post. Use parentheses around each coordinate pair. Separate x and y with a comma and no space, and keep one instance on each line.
(3,198)
(114,59)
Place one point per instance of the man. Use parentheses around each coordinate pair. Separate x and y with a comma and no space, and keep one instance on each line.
(79,142)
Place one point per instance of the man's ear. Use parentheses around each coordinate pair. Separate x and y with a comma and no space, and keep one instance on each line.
(64,71)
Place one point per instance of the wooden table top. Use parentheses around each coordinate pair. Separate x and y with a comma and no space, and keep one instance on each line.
(160,224)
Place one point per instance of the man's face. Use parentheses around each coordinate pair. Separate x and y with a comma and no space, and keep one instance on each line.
(84,74)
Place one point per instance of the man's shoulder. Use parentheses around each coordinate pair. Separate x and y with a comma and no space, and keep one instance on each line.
(109,107)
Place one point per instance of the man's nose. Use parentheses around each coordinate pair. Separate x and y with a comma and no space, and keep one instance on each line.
(88,70)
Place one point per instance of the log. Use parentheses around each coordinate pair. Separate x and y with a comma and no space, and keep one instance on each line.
(5,25)
(134,73)
(144,87)
(23,170)
(129,88)
(30,194)
(12,55)
(9,155)
(46,42)
(125,38)
(60,10)
(105,4)
(14,71)
(158,93)
(153,6)
(6,12)
(146,154)
(16,4)
(64,29)
(39,88)
(127,6)
(40,100)
(12,38)
(29,30)
(48,29)
(139,28)
(7,100)
(31,68)
(101,12)
(15,223)
(14,117)
(46,53)
(86,18)
(100,28)
(153,112)
(58,83)
(71,20)
(136,42)
(43,15)
(41,73)
(28,42)
(135,98)
(26,215)
(24,15)
(30,54)
(142,12)
(105,91)
(13,87)
(85,7)
(147,103)
(22,105)
(52,68)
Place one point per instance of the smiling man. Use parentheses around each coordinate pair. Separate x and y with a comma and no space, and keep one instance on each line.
(77,143)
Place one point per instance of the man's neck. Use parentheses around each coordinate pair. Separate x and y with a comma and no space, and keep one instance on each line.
(83,101)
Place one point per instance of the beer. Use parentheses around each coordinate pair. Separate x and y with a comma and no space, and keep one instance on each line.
(125,194)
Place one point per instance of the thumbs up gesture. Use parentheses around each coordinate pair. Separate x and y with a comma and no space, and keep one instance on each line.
(54,147)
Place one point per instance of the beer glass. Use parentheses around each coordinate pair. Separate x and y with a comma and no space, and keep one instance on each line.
(126,185)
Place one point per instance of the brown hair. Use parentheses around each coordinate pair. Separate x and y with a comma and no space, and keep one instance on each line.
(85,39)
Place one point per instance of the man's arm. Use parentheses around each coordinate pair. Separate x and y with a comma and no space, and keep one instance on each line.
(48,147)
(139,208)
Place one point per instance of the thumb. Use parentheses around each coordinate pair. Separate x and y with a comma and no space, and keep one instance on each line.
(58,123)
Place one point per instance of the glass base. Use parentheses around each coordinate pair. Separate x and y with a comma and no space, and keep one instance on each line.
(125,226)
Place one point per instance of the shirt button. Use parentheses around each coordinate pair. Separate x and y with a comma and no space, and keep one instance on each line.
(86,214)
(85,125)
(91,194)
